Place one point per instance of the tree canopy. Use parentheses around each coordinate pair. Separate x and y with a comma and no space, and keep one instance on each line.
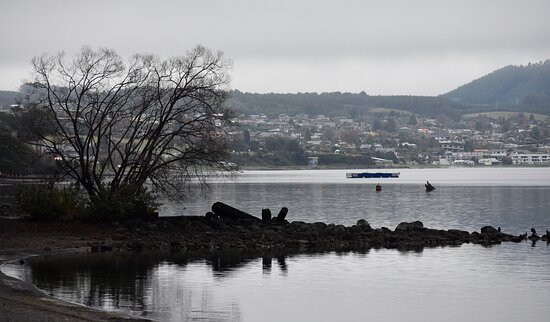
(121,124)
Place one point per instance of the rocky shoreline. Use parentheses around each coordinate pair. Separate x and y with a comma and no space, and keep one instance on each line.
(201,233)
(227,228)
(224,228)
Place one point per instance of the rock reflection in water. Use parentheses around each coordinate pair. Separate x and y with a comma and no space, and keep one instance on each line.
(169,287)
(417,284)
(146,284)
(161,286)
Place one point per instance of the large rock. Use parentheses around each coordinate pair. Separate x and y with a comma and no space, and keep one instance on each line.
(319,226)
(299,226)
(339,229)
(214,220)
(363,225)
(409,226)
(459,233)
(489,230)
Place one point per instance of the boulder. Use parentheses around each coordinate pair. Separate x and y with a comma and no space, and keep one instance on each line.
(383,230)
(299,226)
(214,220)
(210,216)
(339,229)
(489,230)
(459,233)
(363,225)
(319,226)
(409,226)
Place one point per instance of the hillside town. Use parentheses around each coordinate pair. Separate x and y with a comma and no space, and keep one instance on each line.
(383,138)
(393,138)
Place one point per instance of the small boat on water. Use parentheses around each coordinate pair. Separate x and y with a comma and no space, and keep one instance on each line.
(372,175)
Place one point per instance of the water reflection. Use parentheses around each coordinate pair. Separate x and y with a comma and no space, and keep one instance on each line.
(164,287)
(172,287)
(233,286)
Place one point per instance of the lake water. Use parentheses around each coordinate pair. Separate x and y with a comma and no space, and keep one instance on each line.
(515,199)
(507,282)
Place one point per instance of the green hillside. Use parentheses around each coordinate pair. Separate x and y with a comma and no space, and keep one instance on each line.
(338,104)
(516,87)
(511,88)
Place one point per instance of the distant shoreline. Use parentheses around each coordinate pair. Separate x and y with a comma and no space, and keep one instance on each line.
(43,178)
(354,167)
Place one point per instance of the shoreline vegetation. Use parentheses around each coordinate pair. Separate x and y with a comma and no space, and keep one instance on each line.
(224,228)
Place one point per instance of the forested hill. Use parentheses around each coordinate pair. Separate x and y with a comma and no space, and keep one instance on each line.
(300,103)
(521,86)
(515,88)
(338,104)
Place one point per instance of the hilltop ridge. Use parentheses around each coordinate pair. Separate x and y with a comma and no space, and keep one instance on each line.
(526,86)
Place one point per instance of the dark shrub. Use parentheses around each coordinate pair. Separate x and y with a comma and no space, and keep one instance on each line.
(68,202)
(124,203)
(46,202)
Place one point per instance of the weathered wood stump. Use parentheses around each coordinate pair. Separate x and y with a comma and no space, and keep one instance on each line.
(210,216)
(266,216)
(282,214)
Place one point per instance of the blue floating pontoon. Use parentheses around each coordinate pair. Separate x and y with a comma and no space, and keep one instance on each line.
(373,175)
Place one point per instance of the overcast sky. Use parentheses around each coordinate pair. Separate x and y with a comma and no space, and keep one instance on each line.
(421,47)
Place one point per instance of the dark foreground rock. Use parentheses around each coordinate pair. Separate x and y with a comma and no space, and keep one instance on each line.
(235,231)
(180,234)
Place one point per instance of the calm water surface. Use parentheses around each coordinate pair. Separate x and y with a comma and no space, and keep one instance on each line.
(515,199)
(508,282)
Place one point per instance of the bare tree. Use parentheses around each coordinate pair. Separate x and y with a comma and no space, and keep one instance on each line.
(120,125)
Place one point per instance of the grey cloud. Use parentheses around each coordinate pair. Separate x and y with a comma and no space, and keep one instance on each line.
(316,34)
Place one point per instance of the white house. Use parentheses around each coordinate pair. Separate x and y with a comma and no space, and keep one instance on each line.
(530,158)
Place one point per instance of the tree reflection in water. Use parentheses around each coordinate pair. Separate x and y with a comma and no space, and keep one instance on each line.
(139,284)
(160,286)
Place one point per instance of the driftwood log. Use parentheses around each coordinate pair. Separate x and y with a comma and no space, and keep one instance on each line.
(282,214)
(227,212)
